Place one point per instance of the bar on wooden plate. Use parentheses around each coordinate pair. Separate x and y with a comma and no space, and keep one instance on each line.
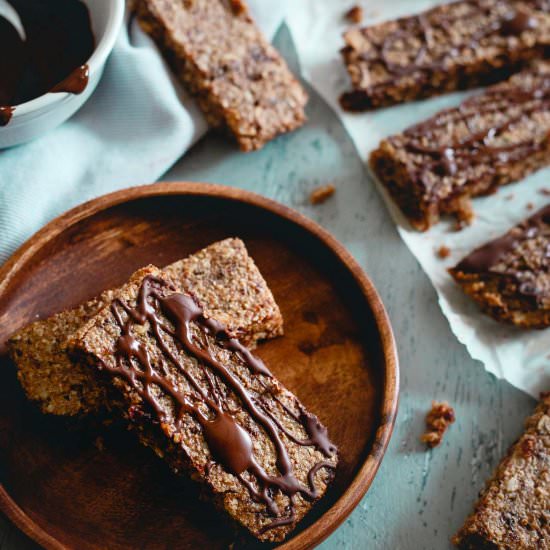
(491,139)
(207,406)
(222,277)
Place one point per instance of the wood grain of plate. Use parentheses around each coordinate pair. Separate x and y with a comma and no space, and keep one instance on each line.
(338,355)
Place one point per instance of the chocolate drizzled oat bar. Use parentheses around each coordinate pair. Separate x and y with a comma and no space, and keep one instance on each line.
(513,512)
(491,139)
(240,81)
(205,404)
(453,46)
(223,278)
(509,277)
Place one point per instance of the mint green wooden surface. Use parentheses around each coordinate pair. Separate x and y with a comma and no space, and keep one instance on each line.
(418,498)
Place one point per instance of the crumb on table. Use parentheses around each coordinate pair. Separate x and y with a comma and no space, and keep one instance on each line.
(355,14)
(437,421)
(322,193)
(530,206)
(443,252)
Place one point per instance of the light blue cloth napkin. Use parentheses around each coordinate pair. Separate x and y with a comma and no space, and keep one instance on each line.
(135,126)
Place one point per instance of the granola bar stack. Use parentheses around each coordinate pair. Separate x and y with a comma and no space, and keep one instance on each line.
(168,354)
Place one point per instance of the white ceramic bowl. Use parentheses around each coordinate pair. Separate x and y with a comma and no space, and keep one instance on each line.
(34,118)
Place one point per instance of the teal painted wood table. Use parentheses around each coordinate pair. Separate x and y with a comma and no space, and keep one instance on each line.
(419,498)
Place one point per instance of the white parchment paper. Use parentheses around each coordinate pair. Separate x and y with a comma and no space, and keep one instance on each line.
(520,356)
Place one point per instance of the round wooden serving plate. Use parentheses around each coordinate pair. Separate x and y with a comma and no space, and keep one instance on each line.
(338,355)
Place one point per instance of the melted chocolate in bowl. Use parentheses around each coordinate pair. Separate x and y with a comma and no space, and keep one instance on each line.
(52,59)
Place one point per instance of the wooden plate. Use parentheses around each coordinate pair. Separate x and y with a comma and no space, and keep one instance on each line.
(338,355)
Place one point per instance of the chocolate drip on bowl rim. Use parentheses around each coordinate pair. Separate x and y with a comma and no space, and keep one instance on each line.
(54,56)
(75,83)
(5,114)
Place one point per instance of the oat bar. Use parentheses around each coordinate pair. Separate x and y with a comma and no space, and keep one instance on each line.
(513,512)
(206,405)
(222,277)
(240,81)
(450,47)
(509,277)
(491,139)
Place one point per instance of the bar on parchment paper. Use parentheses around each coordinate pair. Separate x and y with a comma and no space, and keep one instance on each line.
(491,139)
(453,46)
(509,277)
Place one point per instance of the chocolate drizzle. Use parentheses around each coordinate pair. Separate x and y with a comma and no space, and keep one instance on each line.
(491,258)
(317,433)
(427,58)
(229,443)
(448,159)
(53,58)
(487,256)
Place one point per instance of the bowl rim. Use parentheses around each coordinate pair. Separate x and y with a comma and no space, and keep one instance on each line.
(389,399)
(99,56)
